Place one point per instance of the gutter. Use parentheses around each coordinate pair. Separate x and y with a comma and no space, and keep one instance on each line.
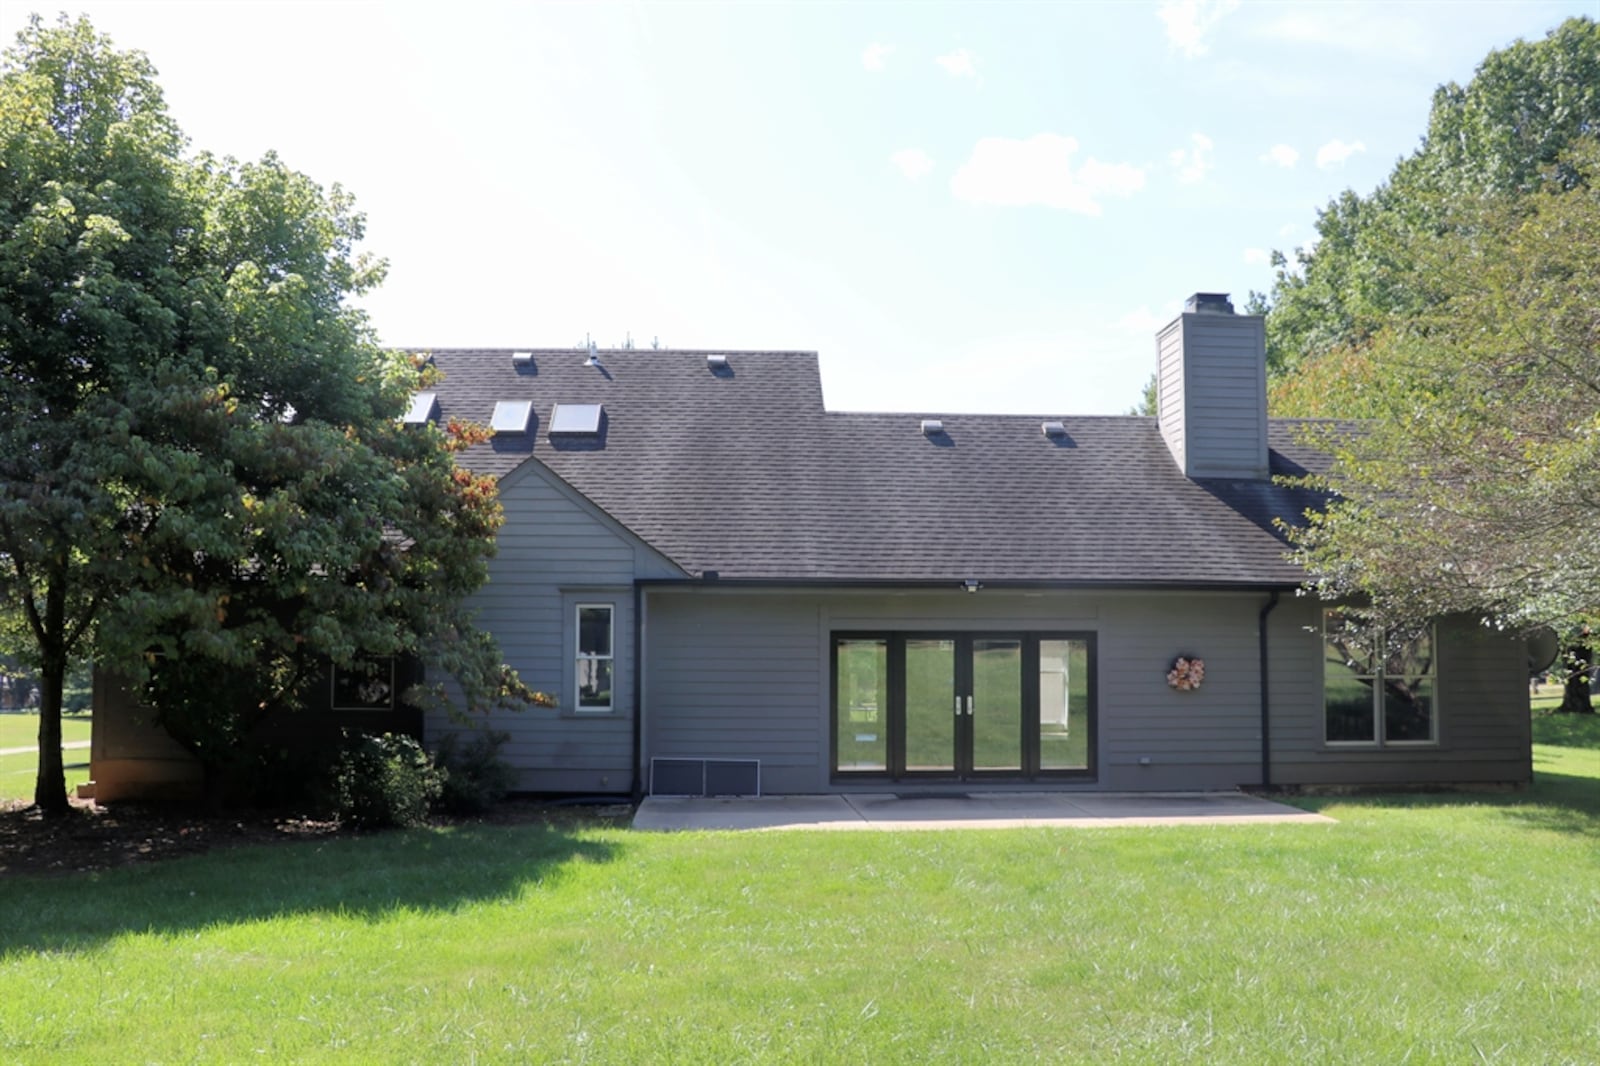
(1266,717)
(711,579)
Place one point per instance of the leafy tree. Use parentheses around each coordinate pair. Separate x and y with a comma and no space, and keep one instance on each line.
(202,476)
(1471,488)
(1525,106)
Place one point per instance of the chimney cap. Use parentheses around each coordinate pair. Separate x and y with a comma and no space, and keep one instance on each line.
(1209,303)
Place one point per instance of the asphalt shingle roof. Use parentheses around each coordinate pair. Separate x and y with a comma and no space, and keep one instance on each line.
(743,472)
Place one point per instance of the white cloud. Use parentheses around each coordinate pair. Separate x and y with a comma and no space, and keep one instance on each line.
(914,163)
(875,56)
(1336,152)
(1190,22)
(1194,162)
(1039,171)
(1257,256)
(959,64)
(1374,31)
(1282,155)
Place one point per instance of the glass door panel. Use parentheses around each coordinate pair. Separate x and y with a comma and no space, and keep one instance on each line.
(930,705)
(1063,705)
(995,718)
(861,704)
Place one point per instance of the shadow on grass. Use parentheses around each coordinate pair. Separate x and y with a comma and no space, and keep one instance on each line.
(368,877)
(1561,803)
(1557,801)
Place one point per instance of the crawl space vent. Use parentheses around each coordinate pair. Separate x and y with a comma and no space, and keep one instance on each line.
(705,777)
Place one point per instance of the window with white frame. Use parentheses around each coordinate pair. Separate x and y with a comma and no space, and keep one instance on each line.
(1379,686)
(596,661)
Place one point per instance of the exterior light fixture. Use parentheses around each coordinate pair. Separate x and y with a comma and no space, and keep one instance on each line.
(972,584)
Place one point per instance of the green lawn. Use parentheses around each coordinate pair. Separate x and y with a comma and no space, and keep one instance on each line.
(17,772)
(1432,928)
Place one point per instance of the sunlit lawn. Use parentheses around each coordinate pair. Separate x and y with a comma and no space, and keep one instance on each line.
(17,772)
(1434,928)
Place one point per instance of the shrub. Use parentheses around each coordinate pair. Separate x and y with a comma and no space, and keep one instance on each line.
(476,778)
(382,781)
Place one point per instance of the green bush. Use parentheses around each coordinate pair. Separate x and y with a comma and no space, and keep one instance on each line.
(476,778)
(383,781)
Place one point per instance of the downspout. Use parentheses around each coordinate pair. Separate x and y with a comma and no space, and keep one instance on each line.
(1266,717)
(638,692)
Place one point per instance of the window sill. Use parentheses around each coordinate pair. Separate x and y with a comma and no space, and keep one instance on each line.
(615,712)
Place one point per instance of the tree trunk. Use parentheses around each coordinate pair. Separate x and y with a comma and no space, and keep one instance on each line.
(50,787)
(1580,660)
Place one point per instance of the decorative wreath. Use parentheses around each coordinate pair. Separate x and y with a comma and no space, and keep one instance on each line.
(1187,672)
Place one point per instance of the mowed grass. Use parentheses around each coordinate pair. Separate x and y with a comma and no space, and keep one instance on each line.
(1428,928)
(18,772)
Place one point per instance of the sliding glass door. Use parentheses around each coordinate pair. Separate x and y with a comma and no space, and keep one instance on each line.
(963,706)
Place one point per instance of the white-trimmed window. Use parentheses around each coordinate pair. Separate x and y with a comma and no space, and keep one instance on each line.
(1379,688)
(596,661)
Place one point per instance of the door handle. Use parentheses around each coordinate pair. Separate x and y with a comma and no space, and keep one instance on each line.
(969,706)
(958,706)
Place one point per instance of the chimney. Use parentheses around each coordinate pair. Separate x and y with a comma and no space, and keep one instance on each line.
(1211,389)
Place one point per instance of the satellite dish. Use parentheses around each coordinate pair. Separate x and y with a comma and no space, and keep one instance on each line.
(1543,647)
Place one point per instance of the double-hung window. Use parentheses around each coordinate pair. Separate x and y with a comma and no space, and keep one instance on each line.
(1379,687)
(596,660)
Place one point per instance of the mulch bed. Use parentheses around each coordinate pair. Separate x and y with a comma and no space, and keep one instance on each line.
(93,837)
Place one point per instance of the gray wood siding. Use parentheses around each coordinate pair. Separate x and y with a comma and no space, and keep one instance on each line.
(1212,394)
(554,551)
(1169,388)
(747,676)
(1483,723)
(738,676)
(1208,738)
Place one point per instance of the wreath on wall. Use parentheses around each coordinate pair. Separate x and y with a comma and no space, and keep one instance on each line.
(1186,673)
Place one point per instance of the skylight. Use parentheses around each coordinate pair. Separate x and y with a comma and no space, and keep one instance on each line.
(424,408)
(576,418)
(511,416)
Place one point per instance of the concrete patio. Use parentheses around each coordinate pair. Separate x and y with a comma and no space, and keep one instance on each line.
(992,810)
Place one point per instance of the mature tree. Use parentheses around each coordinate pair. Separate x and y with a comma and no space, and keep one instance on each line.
(1525,106)
(1472,487)
(202,478)
(1338,312)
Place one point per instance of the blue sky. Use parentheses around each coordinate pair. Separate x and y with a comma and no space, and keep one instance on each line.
(960,207)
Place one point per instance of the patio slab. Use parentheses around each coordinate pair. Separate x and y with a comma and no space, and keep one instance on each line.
(990,810)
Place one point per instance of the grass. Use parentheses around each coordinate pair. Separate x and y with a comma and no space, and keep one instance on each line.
(1424,928)
(17,772)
